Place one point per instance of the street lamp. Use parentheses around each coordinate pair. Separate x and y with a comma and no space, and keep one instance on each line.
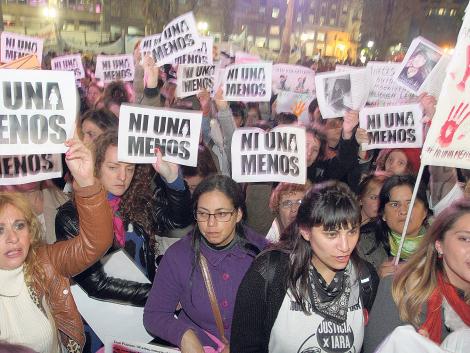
(50,12)
(202,26)
(370,44)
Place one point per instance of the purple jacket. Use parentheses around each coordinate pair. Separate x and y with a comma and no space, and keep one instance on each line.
(173,284)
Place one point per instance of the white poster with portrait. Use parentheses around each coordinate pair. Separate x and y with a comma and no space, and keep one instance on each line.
(338,92)
(420,60)
(293,78)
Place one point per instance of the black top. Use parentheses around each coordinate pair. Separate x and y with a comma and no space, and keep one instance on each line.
(260,296)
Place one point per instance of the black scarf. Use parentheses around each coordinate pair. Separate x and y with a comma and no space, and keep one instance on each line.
(330,300)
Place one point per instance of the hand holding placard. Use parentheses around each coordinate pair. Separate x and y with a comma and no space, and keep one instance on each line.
(351,119)
(79,159)
(168,170)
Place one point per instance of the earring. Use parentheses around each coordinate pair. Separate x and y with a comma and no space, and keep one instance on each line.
(439,255)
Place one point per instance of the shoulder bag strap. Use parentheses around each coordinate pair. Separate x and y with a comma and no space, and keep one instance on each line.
(206,275)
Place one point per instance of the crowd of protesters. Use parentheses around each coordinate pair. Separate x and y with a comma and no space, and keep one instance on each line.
(293,268)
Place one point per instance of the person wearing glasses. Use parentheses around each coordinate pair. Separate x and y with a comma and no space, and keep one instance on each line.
(284,203)
(229,248)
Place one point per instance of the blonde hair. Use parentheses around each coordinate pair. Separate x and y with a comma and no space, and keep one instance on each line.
(415,282)
(19,201)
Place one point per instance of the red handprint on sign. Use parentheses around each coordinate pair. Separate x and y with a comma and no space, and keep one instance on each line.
(466,75)
(453,122)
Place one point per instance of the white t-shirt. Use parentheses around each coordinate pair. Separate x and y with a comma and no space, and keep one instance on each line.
(295,332)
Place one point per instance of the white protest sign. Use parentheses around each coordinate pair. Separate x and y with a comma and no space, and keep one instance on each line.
(277,155)
(246,58)
(392,126)
(111,68)
(191,79)
(69,63)
(110,319)
(117,345)
(447,142)
(296,103)
(179,37)
(343,68)
(15,170)
(293,78)
(203,55)
(37,111)
(248,82)
(384,90)
(420,60)
(14,46)
(175,132)
(338,92)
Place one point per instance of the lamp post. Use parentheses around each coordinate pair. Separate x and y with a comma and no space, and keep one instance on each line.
(203,27)
(50,13)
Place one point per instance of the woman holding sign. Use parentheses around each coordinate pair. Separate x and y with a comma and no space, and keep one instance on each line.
(222,249)
(309,293)
(432,290)
(36,306)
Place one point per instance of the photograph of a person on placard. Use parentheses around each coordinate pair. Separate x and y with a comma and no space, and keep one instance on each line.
(419,66)
(338,93)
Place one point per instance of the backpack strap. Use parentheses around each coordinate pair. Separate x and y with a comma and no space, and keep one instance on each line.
(368,284)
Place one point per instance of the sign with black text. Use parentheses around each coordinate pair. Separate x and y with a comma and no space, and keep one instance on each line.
(191,79)
(174,132)
(277,155)
(15,170)
(248,82)
(111,68)
(203,55)
(393,126)
(37,111)
(179,37)
(69,63)
(14,46)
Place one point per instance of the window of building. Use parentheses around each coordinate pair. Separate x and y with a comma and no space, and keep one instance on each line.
(260,41)
(345,8)
(262,10)
(275,13)
(333,7)
(274,30)
(320,36)
(332,21)
(311,19)
(322,21)
(299,18)
(442,11)
(453,12)
(274,44)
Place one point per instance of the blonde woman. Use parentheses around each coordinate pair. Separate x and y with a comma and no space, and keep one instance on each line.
(37,309)
(432,290)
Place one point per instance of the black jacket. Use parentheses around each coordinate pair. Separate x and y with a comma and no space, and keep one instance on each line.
(260,296)
(171,209)
(338,167)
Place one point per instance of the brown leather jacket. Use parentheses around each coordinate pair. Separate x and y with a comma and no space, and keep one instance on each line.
(65,259)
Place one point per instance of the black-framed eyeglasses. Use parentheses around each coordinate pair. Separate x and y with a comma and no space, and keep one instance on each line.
(222,216)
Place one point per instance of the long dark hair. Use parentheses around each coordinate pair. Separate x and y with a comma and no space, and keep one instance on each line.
(331,205)
(233,192)
(384,197)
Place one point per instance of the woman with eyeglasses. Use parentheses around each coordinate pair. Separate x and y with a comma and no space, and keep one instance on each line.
(228,247)
(284,203)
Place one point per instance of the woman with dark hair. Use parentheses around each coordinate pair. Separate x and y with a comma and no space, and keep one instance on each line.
(432,290)
(308,293)
(229,248)
(140,213)
(319,168)
(253,115)
(380,245)
(94,122)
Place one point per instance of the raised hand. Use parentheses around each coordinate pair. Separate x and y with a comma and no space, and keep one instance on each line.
(298,108)
(151,71)
(453,122)
(219,100)
(350,121)
(79,159)
(428,103)
(168,170)
(205,100)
